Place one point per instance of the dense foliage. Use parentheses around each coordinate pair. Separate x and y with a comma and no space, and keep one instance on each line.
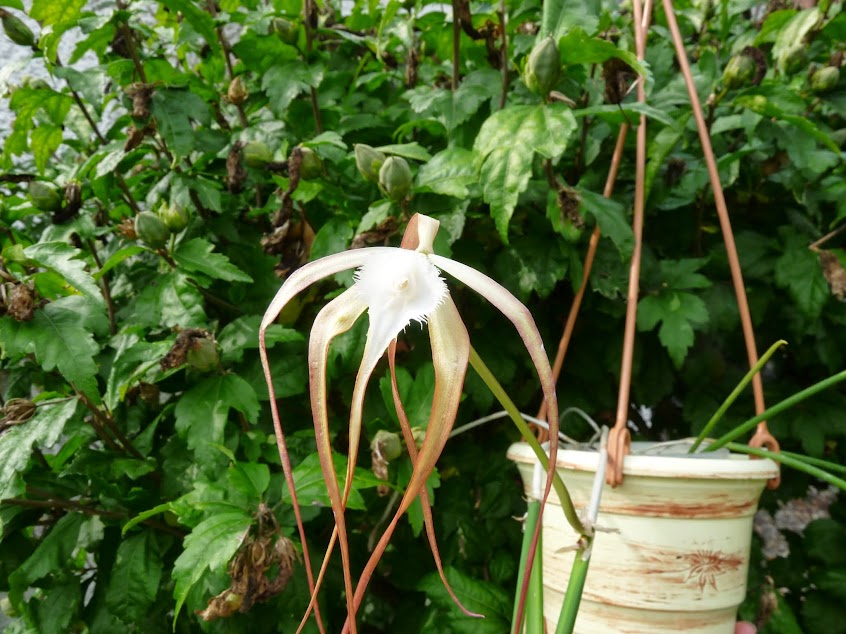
(183,156)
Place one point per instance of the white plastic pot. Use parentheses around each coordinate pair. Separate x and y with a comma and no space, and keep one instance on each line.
(672,553)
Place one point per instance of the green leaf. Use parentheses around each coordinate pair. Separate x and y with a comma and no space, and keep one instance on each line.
(52,554)
(611,218)
(625,112)
(679,313)
(450,173)
(60,337)
(198,19)
(196,256)
(311,487)
(793,32)
(50,12)
(58,607)
(202,413)
(577,47)
(798,270)
(63,259)
(169,300)
(413,151)
(134,582)
(174,109)
(283,83)
(117,257)
(765,106)
(681,275)
(454,107)
(210,546)
(532,263)
(560,16)
(44,141)
(507,167)
(333,237)
(482,597)
(42,430)
(14,4)
(242,334)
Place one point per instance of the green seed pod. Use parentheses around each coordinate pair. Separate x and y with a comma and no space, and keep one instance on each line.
(17,31)
(237,93)
(256,154)
(387,444)
(543,67)
(368,161)
(285,30)
(793,60)
(151,229)
(825,79)
(311,165)
(395,178)
(174,216)
(45,197)
(739,72)
(203,354)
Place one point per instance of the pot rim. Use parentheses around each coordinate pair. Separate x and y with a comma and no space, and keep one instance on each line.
(735,466)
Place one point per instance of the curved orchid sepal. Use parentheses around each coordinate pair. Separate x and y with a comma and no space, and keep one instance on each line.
(411,447)
(337,317)
(450,356)
(523,321)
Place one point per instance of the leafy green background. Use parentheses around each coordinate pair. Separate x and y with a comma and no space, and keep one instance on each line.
(139,109)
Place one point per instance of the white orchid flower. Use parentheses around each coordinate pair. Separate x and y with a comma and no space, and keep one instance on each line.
(395,286)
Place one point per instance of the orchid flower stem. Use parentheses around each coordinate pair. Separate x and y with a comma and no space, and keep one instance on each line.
(508,405)
(800,464)
(778,408)
(575,587)
(534,600)
(528,529)
(735,393)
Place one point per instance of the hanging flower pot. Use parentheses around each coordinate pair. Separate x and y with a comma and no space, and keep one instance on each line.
(671,552)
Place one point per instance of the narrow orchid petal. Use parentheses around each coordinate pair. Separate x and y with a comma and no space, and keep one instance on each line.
(450,354)
(335,318)
(287,469)
(411,446)
(523,321)
(310,273)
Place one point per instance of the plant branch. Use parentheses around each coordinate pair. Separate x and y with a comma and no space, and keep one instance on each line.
(77,507)
(104,282)
(105,420)
(456,44)
(831,234)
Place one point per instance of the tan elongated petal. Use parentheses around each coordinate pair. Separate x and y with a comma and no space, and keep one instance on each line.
(411,446)
(296,283)
(335,318)
(307,275)
(523,321)
(450,355)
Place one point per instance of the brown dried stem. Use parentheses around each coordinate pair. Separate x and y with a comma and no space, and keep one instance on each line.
(588,265)
(762,436)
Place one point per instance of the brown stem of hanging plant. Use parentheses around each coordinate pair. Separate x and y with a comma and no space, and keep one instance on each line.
(504,55)
(762,436)
(104,282)
(570,325)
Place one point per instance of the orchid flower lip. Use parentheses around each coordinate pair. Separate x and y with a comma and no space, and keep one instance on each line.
(400,285)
